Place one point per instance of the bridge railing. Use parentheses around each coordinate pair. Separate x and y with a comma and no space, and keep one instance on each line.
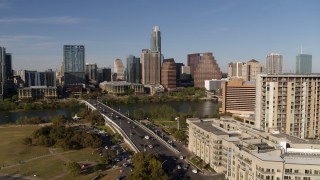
(114,126)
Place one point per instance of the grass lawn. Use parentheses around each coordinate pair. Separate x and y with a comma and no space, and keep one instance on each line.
(12,150)
(83,155)
(44,168)
(107,129)
(166,123)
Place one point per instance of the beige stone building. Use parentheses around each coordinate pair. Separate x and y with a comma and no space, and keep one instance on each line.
(37,92)
(121,87)
(242,152)
(245,70)
(289,103)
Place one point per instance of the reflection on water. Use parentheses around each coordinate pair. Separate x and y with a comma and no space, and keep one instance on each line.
(11,117)
(201,108)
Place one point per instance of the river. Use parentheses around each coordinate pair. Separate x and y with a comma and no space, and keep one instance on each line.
(201,108)
(11,117)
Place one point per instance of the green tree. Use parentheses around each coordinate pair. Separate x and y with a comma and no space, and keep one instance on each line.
(179,135)
(74,168)
(147,166)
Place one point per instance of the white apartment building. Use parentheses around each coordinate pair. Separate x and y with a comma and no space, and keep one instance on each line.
(288,103)
(242,152)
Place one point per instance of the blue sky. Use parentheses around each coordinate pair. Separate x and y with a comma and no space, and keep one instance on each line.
(34,31)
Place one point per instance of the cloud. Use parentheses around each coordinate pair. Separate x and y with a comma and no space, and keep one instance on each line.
(44,20)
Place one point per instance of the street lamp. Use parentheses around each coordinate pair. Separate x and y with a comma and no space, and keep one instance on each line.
(177,119)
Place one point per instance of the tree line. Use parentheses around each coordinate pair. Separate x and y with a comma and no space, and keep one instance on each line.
(63,137)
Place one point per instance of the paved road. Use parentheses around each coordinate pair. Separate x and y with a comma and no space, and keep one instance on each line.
(137,135)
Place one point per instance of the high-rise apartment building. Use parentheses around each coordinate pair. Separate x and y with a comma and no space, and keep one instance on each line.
(207,68)
(119,69)
(155,39)
(35,78)
(178,70)
(288,103)
(91,73)
(254,68)
(151,67)
(133,71)
(168,74)
(274,64)
(304,64)
(237,70)
(74,64)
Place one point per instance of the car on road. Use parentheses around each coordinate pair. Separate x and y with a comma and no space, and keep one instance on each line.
(106,147)
(195,171)
(146,137)
(186,166)
(181,157)
(178,167)
(150,146)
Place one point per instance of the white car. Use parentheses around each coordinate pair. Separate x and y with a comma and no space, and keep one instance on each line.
(178,167)
(147,137)
(150,146)
(195,171)
(106,147)
(181,157)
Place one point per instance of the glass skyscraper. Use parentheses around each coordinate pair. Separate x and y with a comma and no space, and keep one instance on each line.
(133,71)
(74,64)
(155,40)
(2,72)
(304,64)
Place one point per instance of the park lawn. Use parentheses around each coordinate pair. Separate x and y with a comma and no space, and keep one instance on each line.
(44,168)
(12,150)
(107,129)
(166,123)
(86,154)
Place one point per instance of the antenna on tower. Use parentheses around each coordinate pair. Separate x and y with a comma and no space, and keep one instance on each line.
(300,49)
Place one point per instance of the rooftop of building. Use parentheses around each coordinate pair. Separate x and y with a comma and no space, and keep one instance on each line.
(290,75)
(295,140)
(207,126)
(120,83)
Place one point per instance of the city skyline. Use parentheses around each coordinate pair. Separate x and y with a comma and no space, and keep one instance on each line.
(35,31)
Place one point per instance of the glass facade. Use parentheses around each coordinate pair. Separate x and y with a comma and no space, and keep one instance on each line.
(304,64)
(133,71)
(74,64)
(155,40)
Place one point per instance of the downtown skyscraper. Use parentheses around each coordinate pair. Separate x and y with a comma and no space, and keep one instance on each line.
(274,64)
(304,64)
(151,59)
(133,71)
(74,64)
(2,72)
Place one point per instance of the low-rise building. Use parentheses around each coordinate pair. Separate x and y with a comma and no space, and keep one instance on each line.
(121,87)
(242,152)
(37,92)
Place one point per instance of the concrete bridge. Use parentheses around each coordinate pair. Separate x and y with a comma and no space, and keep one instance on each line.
(124,129)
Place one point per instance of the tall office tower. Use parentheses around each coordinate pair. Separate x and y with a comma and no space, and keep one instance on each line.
(178,70)
(2,72)
(274,64)
(91,72)
(193,61)
(119,69)
(155,39)
(206,69)
(237,70)
(74,64)
(8,62)
(288,103)
(50,78)
(133,69)
(104,74)
(151,67)
(254,68)
(168,74)
(304,64)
